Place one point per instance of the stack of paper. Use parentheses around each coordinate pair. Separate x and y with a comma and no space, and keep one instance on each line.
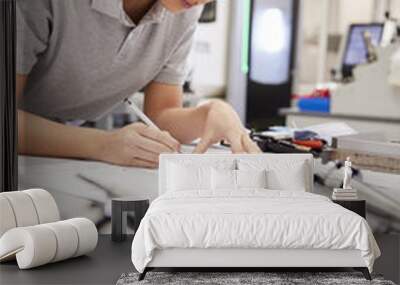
(345,194)
(328,131)
(373,143)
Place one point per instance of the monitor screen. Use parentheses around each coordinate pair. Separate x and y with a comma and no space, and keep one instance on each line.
(356,51)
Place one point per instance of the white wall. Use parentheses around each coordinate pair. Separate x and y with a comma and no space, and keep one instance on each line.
(210,54)
(395,6)
(354,11)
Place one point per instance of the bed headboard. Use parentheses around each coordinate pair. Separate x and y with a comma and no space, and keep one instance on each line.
(214,159)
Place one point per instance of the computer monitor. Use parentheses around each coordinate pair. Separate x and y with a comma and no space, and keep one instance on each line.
(355,51)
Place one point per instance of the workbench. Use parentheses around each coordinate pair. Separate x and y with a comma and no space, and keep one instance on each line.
(362,124)
(365,161)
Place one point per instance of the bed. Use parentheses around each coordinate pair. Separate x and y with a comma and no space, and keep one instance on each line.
(247,211)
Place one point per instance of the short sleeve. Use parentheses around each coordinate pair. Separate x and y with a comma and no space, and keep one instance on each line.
(33,32)
(175,70)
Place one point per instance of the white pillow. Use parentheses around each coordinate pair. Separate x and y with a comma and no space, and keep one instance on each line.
(223,179)
(293,180)
(251,179)
(290,175)
(188,177)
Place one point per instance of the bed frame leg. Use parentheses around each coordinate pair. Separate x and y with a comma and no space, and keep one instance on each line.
(142,275)
(365,272)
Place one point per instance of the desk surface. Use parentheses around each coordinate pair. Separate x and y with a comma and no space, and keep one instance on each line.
(103,266)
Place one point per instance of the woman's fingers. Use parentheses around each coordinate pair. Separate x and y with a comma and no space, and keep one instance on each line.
(161,137)
(202,146)
(151,145)
(249,145)
(240,143)
(236,144)
(205,142)
(137,145)
(143,154)
(143,163)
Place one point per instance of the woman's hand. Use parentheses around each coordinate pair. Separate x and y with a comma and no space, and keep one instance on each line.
(136,145)
(223,123)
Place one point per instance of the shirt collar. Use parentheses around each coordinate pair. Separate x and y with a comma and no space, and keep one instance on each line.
(114,8)
(156,14)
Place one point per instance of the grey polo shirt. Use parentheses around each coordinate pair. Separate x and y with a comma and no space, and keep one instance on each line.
(84,57)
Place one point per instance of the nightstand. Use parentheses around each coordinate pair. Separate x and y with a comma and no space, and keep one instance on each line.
(119,210)
(356,206)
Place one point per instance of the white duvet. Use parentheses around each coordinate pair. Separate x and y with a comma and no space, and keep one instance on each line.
(250,219)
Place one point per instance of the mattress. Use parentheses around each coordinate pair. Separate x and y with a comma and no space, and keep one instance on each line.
(251,218)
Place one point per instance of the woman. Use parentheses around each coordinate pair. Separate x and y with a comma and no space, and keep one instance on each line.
(76,60)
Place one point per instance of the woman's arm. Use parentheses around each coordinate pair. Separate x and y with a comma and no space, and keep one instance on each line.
(38,136)
(212,122)
(135,145)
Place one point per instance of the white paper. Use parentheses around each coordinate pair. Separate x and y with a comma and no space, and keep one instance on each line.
(330,130)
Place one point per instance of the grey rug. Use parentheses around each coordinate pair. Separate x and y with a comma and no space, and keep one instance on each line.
(268,278)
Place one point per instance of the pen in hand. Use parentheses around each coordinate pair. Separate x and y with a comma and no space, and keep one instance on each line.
(142,116)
